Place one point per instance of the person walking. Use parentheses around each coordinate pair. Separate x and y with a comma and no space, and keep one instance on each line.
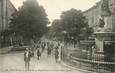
(38,54)
(27,58)
(56,54)
(31,50)
(49,50)
(43,46)
(60,53)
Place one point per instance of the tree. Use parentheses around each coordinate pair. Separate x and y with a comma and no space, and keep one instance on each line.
(74,23)
(56,29)
(30,21)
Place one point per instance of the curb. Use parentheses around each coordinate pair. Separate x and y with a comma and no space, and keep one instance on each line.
(72,67)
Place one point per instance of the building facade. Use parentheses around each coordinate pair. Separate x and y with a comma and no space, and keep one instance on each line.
(6,11)
(94,14)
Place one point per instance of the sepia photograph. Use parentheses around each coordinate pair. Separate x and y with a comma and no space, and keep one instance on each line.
(57,36)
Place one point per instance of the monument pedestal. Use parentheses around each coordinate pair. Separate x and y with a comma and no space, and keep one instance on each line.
(105,44)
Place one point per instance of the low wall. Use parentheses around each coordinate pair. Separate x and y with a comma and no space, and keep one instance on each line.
(86,64)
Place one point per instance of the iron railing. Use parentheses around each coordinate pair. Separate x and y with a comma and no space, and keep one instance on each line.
(95,64)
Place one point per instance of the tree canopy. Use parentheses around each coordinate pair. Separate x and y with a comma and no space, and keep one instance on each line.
(55,28)
(30,20)
(74,23)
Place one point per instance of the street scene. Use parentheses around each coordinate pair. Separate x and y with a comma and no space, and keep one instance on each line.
(13,63)
(57,36)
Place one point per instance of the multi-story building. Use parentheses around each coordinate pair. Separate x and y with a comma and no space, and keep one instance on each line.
(94,13)
(6,11)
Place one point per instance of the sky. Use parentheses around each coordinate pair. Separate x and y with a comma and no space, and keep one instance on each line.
(54,8)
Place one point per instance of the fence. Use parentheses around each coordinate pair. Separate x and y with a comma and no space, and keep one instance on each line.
(94,65)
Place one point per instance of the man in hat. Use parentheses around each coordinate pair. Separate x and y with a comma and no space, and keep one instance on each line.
(27,58)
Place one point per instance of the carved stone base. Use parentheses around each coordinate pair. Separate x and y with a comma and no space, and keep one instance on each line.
(105,42)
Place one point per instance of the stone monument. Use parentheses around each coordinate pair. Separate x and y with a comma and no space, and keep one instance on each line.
(105,36)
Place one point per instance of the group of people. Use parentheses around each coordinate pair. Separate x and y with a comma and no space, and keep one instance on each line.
(52,48)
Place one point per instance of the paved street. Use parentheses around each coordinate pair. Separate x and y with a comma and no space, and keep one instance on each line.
(14,63)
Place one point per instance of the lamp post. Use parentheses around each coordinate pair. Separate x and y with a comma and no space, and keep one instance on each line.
(64,39)
(64,50)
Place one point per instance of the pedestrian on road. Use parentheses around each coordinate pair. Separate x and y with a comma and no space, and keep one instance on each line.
(56,54)
(31,52)
(60,53)
(49,51)
(27,58)
(38,54)
(43,46)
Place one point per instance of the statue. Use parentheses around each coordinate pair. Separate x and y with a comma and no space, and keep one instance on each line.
(105,24)
(105,35)
(101,22)
(105,11)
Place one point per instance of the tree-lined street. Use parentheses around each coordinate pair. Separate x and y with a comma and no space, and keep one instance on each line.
(76,42)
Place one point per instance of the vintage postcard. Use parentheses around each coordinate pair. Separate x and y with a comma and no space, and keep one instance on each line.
(57,36)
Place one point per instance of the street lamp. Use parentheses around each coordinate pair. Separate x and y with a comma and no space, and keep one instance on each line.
(64,34)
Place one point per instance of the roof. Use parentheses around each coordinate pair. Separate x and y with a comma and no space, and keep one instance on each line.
(95,6)
(12,5)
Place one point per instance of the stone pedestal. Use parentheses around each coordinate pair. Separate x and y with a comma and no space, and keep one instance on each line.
(105,44)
